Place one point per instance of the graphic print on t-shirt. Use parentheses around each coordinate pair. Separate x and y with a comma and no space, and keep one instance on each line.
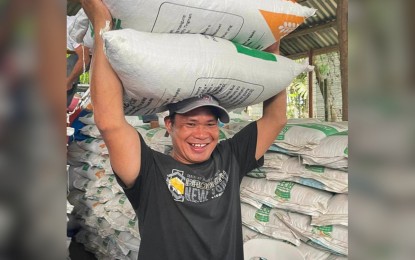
(196,189)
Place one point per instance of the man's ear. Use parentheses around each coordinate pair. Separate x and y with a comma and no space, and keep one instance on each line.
(168,124)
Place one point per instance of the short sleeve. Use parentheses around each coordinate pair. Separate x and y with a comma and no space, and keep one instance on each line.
(133,193)
(243,146)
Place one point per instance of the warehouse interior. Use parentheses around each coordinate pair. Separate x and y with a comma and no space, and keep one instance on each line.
(310,158)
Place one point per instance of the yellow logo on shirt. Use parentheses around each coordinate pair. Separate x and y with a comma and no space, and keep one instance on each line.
(178,185)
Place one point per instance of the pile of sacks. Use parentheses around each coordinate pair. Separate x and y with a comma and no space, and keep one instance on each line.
(109,226)
(289,199)
(166,52)
(300,195)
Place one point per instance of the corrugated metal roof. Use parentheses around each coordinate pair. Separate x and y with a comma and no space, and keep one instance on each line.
(317,33)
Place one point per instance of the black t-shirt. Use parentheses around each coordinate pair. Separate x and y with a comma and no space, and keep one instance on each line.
(193,212)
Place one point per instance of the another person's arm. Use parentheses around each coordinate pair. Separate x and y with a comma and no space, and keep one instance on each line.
(121,138)
(274,116)
(83,56)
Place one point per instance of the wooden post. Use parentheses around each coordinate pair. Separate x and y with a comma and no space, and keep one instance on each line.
(310,86)
(342,18)
(326,100)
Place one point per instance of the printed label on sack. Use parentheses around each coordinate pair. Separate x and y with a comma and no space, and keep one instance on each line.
(281,135)
(254,53)
(262,214)
(231,92)
(257,173)
(283,190)
(122,199)
(175,18)
(346,151)
(315,168)
(222,135)
(281,24)
(343,133)
(324,231)
(131,222)
(327,130)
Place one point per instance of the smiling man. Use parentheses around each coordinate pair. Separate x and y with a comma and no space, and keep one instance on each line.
(187,203)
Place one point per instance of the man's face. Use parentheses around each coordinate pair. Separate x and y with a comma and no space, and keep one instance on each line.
(194,135)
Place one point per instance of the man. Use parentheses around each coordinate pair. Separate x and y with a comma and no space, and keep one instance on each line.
(187,203)
(76,63)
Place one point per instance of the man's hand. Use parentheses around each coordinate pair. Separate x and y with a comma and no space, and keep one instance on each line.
(97,13)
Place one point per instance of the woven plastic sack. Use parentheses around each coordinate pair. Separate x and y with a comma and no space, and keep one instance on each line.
(127,239)
(265,222)
(123,222)
(332,151)
(77,156)
(90,172)
(134,121)
(337,212)
(331,237)
(94,145)
(120,203)
(318,177)
(157,69)
(78,27)
(302,137)
(286,195)
(312,253)
(256,24)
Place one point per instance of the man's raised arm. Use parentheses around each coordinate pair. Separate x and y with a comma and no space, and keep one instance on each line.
(274,116)
(121,139)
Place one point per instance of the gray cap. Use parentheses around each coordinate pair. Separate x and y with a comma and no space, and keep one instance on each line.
(189,104)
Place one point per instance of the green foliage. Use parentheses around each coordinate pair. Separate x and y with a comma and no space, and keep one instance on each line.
(297,93)
(84,78)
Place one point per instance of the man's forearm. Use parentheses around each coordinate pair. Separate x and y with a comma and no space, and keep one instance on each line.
(275,109)
(106,88)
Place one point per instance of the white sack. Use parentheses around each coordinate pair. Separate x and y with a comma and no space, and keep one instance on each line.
(121,204)
(256,24)
(158,69)
(312,253)
(134,121)
(128,240)
(265,222)
(78,27)
(122,222)
(332,237)
(303,137)
(275,160)
(332,151)
(90,172)
(286,195)
(337,212)
(318,177)
(94,145)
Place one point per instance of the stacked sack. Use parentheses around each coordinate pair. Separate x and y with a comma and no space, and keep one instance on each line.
(109,226)
(300,194)
(161,68)
(255,24)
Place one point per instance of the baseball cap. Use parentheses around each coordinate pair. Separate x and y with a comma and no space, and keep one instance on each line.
(189,104)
